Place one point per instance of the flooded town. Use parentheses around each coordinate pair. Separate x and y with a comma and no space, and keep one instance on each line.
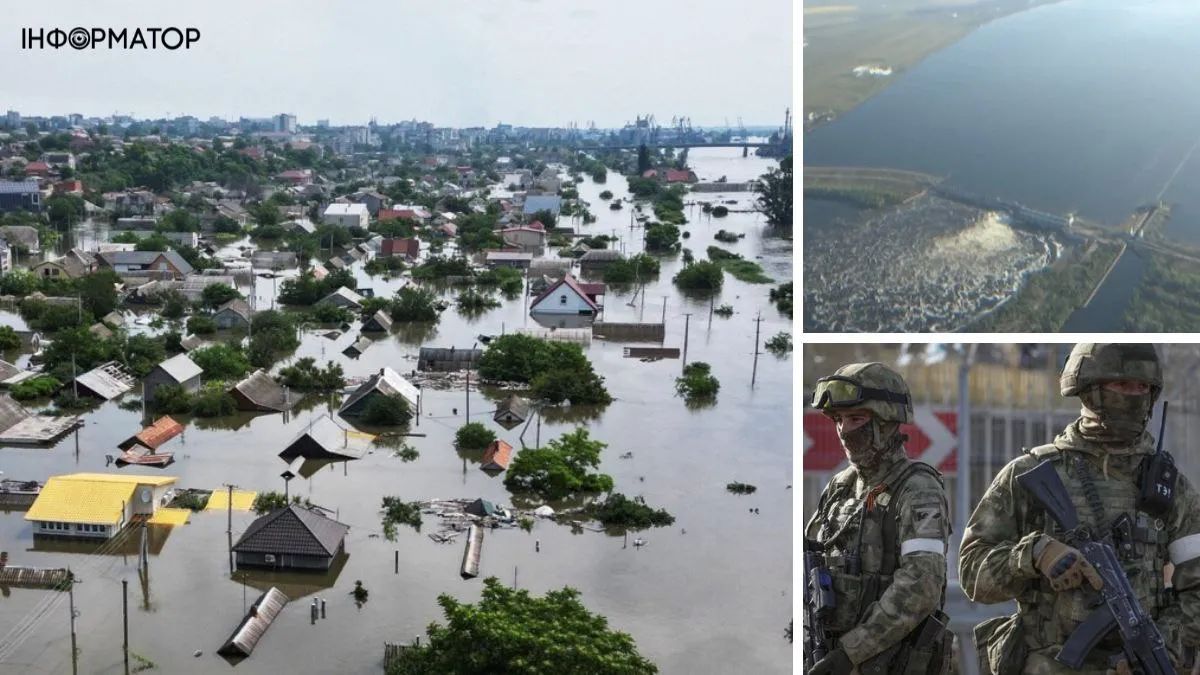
(272,390)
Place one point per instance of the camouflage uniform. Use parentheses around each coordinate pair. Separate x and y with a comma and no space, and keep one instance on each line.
(880,601)
(998,562)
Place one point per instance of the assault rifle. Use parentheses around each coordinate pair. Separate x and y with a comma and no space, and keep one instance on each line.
(819,603)
(1142,643)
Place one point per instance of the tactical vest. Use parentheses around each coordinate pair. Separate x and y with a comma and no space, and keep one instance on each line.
(862,547)
(1106,503)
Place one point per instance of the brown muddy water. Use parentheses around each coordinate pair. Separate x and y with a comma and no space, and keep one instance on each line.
(710,594)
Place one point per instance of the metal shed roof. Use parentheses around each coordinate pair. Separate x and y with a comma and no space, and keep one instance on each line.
(180,367)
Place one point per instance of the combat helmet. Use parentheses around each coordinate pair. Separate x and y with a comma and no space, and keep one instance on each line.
(873,386)
(1096,363)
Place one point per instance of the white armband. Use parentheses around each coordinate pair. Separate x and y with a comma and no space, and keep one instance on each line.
(924,546)
(1184,549)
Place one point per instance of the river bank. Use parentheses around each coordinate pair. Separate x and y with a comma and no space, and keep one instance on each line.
(853,52)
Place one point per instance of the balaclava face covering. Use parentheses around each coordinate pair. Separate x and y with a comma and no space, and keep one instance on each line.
(867,445)
(1112,417)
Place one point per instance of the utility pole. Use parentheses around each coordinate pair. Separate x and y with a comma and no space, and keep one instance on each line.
(125,614)
(664,315)
(757,327)
(229,525)
(74,614)
(686,325)
(538,440)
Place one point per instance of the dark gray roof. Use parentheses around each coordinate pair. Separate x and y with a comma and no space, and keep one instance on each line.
(360,345)
(265,392)
(237,306)
(378,321)
(481,507)
(8,370)
(11,412)
(145,258)
(293,530)
(514,404)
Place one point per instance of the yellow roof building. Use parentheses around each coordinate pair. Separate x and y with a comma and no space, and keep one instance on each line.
(93,498)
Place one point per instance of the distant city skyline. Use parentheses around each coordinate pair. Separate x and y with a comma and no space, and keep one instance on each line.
(528,63)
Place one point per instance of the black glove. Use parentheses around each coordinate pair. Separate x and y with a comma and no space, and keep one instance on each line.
(835,663)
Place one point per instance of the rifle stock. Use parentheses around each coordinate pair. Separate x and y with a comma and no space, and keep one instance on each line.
(1047,488)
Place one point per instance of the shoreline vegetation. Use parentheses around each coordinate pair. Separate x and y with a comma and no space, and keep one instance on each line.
(840,36)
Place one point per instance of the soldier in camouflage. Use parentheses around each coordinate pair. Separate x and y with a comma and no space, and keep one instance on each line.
(1010,550)
(883,526)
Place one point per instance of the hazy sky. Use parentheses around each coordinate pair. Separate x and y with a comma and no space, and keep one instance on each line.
(451,62)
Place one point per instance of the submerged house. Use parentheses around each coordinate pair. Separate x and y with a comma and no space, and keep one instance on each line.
(259,392)
(179,369)
(386,382)
(18,426)
(567,296)
(379,322)
(233,314)
(511,411)
(256,622)
(496,456)
(326,439)
(447,359)
(360,345)
(154,436)
(106,381)
(94,505)
(344,297)
(291,537)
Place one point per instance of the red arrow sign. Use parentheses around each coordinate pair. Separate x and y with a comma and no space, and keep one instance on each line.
(933,438)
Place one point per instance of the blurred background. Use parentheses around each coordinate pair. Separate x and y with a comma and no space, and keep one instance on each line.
(977,407)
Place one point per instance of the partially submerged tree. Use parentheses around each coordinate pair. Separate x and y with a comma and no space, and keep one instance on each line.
(512,631)
(385,410)
(698,384)
(473,436)
(775,194)
(560,469)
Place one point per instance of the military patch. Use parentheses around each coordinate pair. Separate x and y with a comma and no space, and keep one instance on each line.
(928,522)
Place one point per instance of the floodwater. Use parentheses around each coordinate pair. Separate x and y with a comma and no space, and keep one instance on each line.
(712,593)
(1075,106)
(1106,312)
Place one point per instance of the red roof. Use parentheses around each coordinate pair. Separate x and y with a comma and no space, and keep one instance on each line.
(410,247)
(69,186)
(35,167)
(497,455)
(679,176)
(592,289)
(571,283)
(649,173)
(385,215)
(153,436)
(536,225)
